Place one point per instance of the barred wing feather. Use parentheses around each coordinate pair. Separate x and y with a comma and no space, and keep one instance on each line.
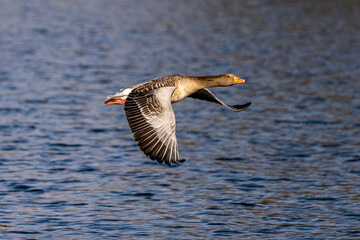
(152,121)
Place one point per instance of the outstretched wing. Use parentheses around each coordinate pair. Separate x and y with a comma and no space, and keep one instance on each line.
(205,94)
(152,121)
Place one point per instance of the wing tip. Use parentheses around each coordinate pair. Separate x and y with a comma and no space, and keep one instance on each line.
(241,107)
(177,162)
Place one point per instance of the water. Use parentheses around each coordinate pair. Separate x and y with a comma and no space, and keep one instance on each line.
(286,168)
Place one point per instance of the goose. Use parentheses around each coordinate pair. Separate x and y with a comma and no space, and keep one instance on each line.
(150,115)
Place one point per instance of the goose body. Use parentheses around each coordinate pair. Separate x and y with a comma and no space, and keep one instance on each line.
(151,117)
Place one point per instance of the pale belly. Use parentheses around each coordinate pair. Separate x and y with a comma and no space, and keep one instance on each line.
(177,96)
(181,92)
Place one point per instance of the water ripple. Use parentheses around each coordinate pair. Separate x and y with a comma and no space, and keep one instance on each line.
(286,168)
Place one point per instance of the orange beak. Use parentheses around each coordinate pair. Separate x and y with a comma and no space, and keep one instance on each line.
(238,80)
(115,101)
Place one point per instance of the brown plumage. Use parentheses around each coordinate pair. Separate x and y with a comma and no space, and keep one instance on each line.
(150,115)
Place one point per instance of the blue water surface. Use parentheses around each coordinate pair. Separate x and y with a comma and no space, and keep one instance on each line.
(286,168)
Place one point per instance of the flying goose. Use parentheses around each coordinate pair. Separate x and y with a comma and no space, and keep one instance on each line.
(151,117)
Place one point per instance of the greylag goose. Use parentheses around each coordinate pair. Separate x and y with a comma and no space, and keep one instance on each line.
(150,115)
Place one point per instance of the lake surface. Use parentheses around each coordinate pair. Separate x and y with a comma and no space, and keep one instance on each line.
(288,167)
